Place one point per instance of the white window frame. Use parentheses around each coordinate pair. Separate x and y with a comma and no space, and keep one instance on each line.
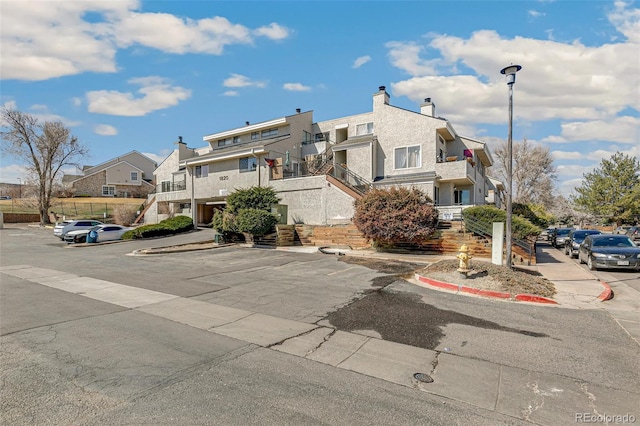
(418,162)
(134,176)
(364,129)
(224,142)
(255,135)
(252,164)
(110,191)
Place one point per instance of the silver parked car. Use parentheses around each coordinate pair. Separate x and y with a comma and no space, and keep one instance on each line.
(104,232)
(73,225)
(609,251)
(633,233)
(575,238)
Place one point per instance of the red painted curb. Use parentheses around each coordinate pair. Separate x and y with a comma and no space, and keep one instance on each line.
(606,293)
(487,293)
(533,298)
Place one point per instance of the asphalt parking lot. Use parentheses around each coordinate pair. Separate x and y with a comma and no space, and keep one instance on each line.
(141,362)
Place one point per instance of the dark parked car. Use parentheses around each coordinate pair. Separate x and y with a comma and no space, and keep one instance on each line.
(575,238)
(559,236)
(633,233)
(609,251)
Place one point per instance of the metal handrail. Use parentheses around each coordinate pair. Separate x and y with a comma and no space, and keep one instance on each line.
(485,229)
(351,179)
(171,187)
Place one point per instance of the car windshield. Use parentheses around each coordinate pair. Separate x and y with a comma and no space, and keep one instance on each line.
(563,232)
(613,242)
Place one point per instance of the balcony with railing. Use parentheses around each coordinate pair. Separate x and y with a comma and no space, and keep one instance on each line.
(171,186)
(456,169)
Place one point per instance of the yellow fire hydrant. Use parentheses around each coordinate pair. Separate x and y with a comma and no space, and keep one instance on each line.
(464,257)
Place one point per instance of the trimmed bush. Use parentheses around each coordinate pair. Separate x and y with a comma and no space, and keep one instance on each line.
(255,221)
(248,211)
(521,228)
(395,215)
(174,225)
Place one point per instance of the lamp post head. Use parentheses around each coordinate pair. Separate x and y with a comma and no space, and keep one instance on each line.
(510,72)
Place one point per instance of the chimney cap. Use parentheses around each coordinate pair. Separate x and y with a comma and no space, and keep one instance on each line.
(246,123)
(180,139)
(427,100)
(382,88)
(298,110)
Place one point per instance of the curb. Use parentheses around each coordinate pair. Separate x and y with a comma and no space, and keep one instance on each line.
(523,297)
(607,293)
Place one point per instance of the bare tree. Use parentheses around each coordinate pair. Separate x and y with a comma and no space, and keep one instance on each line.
(534,174)
(45,148)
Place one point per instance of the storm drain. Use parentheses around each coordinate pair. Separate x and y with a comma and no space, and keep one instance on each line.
(422,377)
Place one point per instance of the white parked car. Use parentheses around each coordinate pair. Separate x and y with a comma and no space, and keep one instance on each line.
(104,232)
(61,229)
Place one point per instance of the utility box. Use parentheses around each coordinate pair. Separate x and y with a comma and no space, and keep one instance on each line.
(281,212)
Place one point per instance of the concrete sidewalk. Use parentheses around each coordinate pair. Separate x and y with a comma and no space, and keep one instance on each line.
(577,287)
(527,395)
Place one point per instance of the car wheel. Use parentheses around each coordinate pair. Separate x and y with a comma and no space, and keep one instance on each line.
(590,264)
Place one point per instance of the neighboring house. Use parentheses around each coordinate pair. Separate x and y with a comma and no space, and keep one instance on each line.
(129,175)
(318,169)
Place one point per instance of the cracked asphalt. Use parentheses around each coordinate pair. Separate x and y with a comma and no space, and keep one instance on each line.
(69,359)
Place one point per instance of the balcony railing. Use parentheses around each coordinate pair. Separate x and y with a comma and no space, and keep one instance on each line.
(171,186)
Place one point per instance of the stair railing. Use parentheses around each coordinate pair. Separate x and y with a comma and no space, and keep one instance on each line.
(351,179)
(485,229)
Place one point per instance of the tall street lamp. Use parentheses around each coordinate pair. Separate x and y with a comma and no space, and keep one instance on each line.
(510,72)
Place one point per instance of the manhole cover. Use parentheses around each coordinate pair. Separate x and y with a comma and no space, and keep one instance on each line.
(422,377)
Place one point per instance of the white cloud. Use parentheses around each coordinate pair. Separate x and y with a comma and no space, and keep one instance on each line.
(535,13)
(296,87)
(105,130)
(10,173)
(55,39)
(231,93)
(238,80)
(361,61)
(406,56)
(76,101)
(566,155)
(272,31)
(155,94)
(625,130)
(568,81)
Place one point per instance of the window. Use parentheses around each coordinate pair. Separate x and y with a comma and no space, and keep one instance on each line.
(306,138)
(364,129)
(461,196)
(440,155)
(407,157)
(236,139)
(269,132)
(225,141)
(134,176)
(165,185)
(108,191)
(436,196)
(319,137)
(202,171)
(248,164)
(255,135)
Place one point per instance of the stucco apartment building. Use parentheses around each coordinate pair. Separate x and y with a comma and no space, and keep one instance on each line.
(318,169)
(128,175)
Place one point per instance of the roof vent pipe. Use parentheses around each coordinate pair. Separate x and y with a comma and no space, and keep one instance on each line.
(298,110)
(246,123)
(382,88)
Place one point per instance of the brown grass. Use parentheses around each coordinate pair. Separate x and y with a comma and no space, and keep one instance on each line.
(80,207)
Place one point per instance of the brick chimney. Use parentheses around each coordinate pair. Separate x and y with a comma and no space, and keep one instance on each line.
(428,108)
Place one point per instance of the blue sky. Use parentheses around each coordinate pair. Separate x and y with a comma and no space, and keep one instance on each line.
(127,75)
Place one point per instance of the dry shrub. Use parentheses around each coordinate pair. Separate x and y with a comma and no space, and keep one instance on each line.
(124,214)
